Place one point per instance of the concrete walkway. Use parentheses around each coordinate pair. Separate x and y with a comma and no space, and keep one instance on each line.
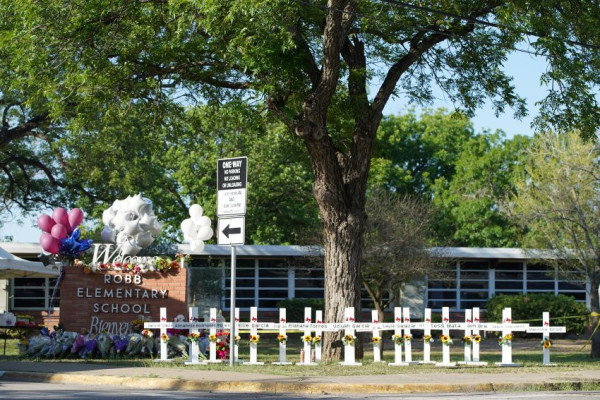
(242,382)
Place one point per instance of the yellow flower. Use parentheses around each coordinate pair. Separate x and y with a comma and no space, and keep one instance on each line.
(281,338)
(428,338)
(212,338)
(375,340)
(398,339)
(476,338)
(307,339)
(547,343)
(317,339)
(447,340)
(467,339)
(254,338)
(349,340)
(164,337)
(407,338)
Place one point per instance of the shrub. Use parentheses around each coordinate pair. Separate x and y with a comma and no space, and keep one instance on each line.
(564,310)
(294,308)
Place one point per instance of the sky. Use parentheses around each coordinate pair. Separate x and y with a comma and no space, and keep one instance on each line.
(525,69)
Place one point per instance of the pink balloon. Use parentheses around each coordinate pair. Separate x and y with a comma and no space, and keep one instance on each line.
(75,218)
(45,222)
(49,243)
(60,216)
(59,231)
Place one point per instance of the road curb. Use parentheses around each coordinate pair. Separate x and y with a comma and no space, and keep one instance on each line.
(270,387)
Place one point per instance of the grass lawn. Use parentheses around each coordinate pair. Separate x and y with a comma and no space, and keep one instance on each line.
(566,354)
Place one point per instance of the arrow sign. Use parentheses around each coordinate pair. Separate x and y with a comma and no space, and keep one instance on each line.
(231,230)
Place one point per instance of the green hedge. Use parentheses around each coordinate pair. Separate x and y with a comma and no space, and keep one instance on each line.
(564,310)
(294,308)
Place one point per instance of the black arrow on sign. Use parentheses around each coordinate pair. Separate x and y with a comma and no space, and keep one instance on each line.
(232,231)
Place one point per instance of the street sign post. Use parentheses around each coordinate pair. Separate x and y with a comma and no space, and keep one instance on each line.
(232,177)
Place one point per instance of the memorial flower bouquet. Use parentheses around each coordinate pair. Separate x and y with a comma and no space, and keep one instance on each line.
(505,340)
(193,337)
(307,339)
(467,339)
(375,340)
(281,338)
(222,344)
(398,339)
(317,340)
(349,340)
(476,338)
(428,339)
(254,339)
(546,343)
(164,337)
(407,338)
(446,339)
(212,338)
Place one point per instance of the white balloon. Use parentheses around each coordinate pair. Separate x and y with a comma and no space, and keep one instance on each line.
(203,221)
(107,235)
(107,216)
(188,227)
(204,233)
(147,221)
(195,211)
(119,221)
(130,249)
(197,245)
(132,227)
(144,239)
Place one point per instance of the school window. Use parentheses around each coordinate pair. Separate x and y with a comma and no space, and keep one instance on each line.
(34,294)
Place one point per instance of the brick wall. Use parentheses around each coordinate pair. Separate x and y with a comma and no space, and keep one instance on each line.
(111,300)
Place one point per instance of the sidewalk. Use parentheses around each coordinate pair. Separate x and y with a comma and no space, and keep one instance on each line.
(241,382)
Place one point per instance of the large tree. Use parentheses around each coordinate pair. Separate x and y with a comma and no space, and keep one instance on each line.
(326,69)
(557,201)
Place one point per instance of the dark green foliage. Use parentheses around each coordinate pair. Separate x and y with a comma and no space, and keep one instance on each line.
(295,307)
(528,308)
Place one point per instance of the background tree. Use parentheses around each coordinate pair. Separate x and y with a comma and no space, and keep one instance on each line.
(557,201)
(396,246)
(468,203)
(312,65)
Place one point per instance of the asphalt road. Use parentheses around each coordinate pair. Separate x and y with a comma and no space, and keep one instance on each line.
(27,390)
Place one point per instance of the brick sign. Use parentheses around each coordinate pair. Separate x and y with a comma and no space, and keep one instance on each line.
(111,300)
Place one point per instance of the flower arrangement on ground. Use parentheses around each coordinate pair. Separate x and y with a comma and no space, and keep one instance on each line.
(546,343)
(254,339)
(349,340)
(281,338)
(147,332)
(398,339)
(222,342)
(307,339)
(428,339)
(375,340)
(193,337)
(317,340)
(505,340)
(446,339)
(476,338)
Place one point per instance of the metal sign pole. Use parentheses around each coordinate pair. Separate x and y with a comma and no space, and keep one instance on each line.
(232,310)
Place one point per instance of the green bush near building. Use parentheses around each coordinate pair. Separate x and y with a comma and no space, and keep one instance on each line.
(528,308)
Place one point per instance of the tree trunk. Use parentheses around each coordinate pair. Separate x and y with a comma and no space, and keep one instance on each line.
(594,308)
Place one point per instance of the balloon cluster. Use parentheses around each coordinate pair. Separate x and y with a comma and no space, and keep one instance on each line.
(196,229)
(61,235)
(131,224)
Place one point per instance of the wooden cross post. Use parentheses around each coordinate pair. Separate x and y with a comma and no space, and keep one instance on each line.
(398,338)
(212,337)
(254,338)
(545,330)
(427,338)
(162,325)
(282,338)
(445,334)
(318,336)
(193,348)
(476,339)
(349,339)
(376,337)
(307,339)
(407,337)
(507,328)
(467,338)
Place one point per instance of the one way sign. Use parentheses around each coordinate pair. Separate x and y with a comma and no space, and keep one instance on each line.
(231,230)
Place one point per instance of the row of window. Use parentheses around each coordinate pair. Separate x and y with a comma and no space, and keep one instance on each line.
(265,282)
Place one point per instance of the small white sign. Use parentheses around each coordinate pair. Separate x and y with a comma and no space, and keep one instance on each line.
(231,230)
(232,177)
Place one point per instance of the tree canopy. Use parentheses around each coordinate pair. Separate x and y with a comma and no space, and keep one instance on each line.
(87,66)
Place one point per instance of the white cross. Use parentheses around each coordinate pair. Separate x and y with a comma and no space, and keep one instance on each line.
(545,330)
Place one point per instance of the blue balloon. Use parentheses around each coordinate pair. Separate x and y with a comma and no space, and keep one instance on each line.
(73,246)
